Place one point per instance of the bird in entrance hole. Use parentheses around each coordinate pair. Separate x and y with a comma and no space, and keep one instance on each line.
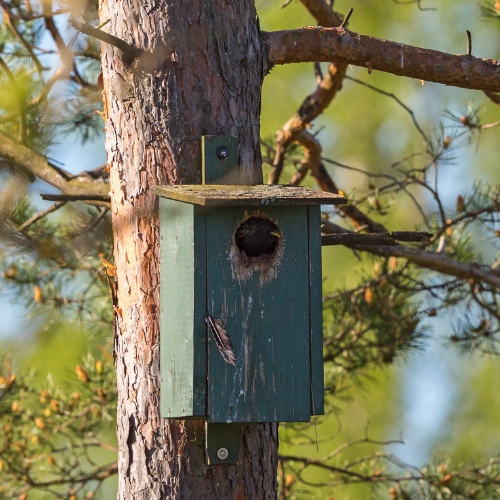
(257,237)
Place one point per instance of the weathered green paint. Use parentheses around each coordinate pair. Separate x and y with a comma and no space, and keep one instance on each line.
(316,312)
(182,309)
(275,323)
(219,436)
(268,324)
(275,326)
(214,169)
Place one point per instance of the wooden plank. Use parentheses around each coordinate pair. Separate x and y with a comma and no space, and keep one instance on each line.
(268,323)
(182,310)
(227,436)
(217,195)
(316,312)
(229,387)
(200,310)
(281,353)
(217,170)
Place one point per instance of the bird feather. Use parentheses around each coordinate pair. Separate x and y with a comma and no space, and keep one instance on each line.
(218,329)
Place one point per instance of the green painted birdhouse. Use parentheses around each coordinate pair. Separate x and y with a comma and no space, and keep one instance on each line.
(244,263)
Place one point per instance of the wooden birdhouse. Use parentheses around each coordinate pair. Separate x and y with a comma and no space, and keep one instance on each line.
(265,292)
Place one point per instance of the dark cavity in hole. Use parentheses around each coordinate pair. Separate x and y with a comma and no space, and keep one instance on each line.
(257,236)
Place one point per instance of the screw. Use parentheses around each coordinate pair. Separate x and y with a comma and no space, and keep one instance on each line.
(222,453)
(222,153)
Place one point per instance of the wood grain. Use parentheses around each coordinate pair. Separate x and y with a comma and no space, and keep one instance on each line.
(182,310)
(268,323)
(316,311)
(215,195)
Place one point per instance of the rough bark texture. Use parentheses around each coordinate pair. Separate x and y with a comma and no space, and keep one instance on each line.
(204,77)
(340,45)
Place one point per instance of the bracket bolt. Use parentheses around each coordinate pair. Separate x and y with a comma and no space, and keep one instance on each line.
(222,453)
(222,153)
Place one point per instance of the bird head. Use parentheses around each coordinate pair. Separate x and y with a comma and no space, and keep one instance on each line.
(257,236)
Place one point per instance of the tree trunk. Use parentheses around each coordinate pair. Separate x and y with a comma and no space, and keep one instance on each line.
(208,81)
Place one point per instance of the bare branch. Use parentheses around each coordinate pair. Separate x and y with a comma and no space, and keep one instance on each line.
(349,239)
(102,472)
(130,51)
(494,98)
(75,197)
(469,42)
(346,18)
(339,45)
(489,125)
(40,215)
(390,239)
(440,263)
(312,107)
(318,73)
(411,236)
(429,260)
(392,96)
(40,167)
(313,162)
(418,2)
(322,12)
(315,103)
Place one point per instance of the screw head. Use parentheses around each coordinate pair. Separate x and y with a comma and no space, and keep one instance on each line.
(222,453)
(222,153)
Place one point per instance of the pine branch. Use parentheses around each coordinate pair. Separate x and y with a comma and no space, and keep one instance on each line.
(337,44)
(314,163)
(40,215)
(40,167)
(10,19)
(430,260)
(75,197)
(390,239)
(129,51)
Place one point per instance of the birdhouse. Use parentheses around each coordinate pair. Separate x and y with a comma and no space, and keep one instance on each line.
(242,263)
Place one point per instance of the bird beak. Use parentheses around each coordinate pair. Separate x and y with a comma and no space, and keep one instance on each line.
(277,235)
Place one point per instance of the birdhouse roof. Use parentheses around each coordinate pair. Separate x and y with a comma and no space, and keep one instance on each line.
(214,195)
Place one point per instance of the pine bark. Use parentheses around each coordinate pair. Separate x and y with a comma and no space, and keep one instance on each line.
(205,78)
(316,44)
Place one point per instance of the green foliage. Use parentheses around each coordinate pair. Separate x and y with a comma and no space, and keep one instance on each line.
(58,265)
(51,439)
(373,323)
(29,111)
(491,12)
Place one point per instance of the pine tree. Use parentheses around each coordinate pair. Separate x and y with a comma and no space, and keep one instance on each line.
(159,77)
